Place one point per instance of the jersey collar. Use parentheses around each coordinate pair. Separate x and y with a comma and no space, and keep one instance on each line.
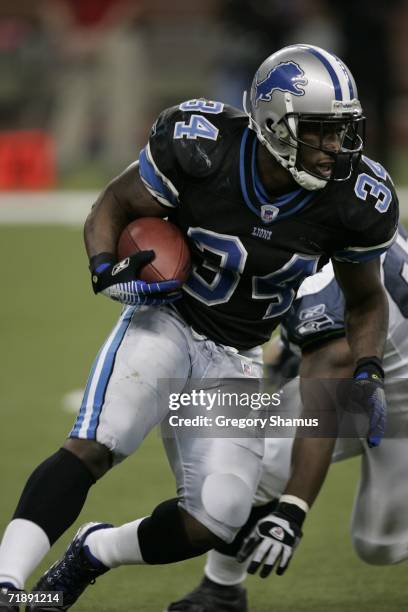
(254,193)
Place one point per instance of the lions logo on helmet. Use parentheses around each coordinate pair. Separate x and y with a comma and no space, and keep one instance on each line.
(287,76)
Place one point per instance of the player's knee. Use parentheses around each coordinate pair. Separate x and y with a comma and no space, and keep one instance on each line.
(374,553)
(170,534)
(227,499)
(96,456)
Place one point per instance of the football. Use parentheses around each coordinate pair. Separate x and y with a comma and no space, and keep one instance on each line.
(172,255)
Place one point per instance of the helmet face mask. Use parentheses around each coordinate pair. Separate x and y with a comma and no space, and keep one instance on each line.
(303,100)
(341,140)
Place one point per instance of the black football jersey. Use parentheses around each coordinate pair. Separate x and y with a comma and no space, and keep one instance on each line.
(250,251)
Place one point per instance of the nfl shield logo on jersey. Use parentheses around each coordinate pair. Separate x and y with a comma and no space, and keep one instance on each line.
(246,368)
(268,213)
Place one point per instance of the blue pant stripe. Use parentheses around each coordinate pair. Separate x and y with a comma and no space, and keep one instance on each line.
(105,371)
(80,418)
(105,376)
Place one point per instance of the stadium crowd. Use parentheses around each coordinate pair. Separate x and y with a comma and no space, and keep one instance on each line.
(87,71)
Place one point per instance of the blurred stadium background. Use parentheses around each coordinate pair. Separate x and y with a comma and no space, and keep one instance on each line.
(80,83)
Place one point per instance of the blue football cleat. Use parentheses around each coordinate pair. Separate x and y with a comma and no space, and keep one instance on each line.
(72,573)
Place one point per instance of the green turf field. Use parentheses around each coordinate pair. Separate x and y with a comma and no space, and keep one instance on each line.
(51,326)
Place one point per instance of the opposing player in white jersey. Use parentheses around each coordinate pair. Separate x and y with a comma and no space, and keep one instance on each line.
(314,330)
(264,198)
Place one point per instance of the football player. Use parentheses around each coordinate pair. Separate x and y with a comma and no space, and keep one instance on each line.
(264,199)
(314,329)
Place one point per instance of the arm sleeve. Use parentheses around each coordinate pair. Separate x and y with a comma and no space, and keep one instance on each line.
(317,314)
(158,165)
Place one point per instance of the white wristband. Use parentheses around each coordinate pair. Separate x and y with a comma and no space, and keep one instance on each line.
(292,499)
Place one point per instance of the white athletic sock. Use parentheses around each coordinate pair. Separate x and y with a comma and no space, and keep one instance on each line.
(116,546)
(225,570)
(24,545)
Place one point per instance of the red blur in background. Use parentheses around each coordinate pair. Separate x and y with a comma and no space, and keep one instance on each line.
(27,160)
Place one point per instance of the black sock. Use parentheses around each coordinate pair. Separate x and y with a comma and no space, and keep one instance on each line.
(55,493)
(163,537)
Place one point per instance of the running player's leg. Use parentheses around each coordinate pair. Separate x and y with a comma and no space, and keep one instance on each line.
(215,488)
(216,481)
(119,408)
(216,491)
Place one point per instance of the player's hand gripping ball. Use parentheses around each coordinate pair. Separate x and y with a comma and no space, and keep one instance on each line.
(153,261)
(171,253)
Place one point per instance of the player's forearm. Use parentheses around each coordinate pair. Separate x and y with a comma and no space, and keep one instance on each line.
(366,316)
(104,224)
(367,325)
(311,459)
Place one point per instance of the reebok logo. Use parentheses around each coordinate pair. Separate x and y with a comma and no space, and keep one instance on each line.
(122,265)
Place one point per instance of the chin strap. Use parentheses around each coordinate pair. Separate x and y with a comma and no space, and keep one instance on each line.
(303,178)
(306,180)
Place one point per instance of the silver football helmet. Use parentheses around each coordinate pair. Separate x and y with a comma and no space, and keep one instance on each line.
(301,86)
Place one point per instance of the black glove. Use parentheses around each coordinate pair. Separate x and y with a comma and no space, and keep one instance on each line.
(118,280)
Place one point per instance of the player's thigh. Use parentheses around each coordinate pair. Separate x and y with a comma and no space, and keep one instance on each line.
(275,469)
(122,400)
(217,476)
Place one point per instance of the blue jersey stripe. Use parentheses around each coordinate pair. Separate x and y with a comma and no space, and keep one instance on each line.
(358,256)
(260,190)
(242,173)
(281,200)
(155,182)
(298,207)
(330,70)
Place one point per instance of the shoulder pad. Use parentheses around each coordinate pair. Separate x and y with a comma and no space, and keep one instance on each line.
(196,135)
(189,140)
